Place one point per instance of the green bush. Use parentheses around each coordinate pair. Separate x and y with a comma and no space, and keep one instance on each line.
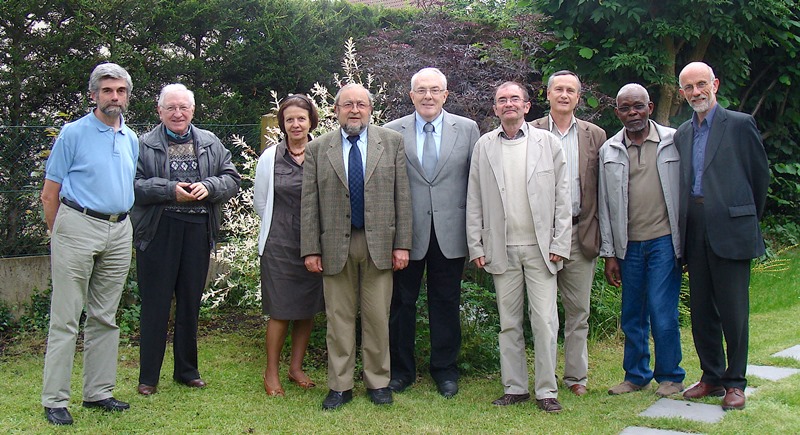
(36,315)
(6,319)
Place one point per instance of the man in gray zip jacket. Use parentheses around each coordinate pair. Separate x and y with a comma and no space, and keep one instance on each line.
(640,241)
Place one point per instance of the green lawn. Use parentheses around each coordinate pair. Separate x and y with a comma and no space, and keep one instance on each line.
(234,402)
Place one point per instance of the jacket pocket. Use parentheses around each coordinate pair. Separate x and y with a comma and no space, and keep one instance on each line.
(742,210)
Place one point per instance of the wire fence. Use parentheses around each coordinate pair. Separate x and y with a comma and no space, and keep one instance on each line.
(23,154)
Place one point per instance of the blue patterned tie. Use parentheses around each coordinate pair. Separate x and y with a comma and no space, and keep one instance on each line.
(355,178)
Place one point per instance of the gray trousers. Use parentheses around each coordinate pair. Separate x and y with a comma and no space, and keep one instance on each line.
(90,259)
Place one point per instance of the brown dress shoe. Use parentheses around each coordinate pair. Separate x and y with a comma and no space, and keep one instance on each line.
(146,390)
(734,399)
(578,389)
(703,389)
(510,399)
(549,404)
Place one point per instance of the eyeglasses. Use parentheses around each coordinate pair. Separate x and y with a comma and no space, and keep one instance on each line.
(350,104)
(173,109)
(513,100)
(636,107)
(699,86)
(434,91)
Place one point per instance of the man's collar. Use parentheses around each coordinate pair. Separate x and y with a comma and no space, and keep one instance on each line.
(437,122)
(708,118)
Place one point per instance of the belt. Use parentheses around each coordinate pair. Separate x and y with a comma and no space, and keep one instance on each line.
(698,199)
(575,220)
(95,214)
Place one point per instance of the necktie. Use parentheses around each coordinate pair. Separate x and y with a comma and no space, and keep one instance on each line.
(355,179)
(429,157)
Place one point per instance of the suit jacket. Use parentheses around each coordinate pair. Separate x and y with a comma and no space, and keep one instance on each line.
(590,139)
(735,182)
(548,193)
(325,224)
(444,197)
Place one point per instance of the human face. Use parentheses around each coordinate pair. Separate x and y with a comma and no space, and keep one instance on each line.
(563,94)
(428,95)
(297,123)
(111,97)
(634,111)
(698,87)
(510,106)
(353,119)
(176,112)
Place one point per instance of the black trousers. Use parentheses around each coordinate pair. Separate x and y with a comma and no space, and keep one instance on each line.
(720,304)
(175,263)
(444,299)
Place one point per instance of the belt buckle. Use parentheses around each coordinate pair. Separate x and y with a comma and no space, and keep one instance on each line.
(113,218)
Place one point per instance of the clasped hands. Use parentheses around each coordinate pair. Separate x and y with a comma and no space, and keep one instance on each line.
(186,192)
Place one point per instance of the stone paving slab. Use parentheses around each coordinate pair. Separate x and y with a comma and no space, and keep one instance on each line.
(771,373)
(702,412)
(638,430)
(792,352)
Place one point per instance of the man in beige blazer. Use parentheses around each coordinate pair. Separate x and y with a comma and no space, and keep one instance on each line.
(581,141)
(519,229)
(355,230)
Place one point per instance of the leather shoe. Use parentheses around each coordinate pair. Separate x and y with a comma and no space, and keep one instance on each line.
(578,389)
(110,404)
(447,389)
(146,390)
(58,416)
(399,385)
(195,383)
(734,399)
(335,399)
(703,389)
(510,399)
(272,391)
(380,396)
(549,404)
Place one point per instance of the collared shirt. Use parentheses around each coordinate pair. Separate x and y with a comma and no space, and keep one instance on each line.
(437,133)
(569,143)
(362,146)
(94,164)
(647,208)
(699,141)
(522,132)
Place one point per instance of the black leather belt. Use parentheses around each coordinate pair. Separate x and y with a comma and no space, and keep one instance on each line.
(95,214)
(575,220)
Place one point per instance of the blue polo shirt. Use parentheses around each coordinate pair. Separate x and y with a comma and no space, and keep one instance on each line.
(95,165)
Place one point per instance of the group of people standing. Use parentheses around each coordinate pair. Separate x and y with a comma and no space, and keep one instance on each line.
(352,221)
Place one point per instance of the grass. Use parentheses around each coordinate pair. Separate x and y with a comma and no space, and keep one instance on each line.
(234,402)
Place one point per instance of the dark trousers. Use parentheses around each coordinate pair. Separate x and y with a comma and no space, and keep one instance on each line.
(444,299)
(720,304)
(175,263)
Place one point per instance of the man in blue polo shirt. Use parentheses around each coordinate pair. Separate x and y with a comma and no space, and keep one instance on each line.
(88,190)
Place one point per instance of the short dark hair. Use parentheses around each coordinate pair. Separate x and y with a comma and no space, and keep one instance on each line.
(303,102)
(525,95)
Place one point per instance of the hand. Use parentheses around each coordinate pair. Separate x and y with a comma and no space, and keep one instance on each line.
(399,259)
(480,262)
(198,190)
(555,258)
(183,192)
(314,263)
(612,272)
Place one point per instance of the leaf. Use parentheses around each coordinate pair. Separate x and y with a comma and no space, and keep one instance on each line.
(586,53)
(592,102)
(785,79)
(569,33)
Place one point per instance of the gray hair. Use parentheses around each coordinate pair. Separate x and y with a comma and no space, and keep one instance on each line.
(711,75)
(175,87)
(563,72)
(350,86)
(435,71)
(635,89)
(109,71)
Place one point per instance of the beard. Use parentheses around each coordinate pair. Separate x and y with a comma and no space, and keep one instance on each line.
(354,130)
(635,128)
(113,109)
(701,106)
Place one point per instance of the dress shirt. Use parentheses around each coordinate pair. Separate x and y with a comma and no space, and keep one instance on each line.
(437,133)
(362,146)
(699,141)
(569,142)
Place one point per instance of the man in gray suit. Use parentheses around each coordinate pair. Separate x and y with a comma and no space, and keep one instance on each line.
(438,151)
(723,187)
(581,141)
(356,229)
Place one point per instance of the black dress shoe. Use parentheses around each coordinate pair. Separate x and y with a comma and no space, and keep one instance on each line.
(399,385)
(146,390)
(448,389)
(57,416)
(110,404)
(195,383)
(380,396)
(335,399)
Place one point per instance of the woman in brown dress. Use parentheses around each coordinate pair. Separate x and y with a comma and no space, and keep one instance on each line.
(289,292)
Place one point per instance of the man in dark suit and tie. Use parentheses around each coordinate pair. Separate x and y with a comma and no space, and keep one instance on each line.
(438,151)
(355,230)
(581,141)
(723,187)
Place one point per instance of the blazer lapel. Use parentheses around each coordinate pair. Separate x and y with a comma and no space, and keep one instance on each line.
(534,154)
(410,142)
(374,152)
(715,136)
(336,157)
(494,154)
(449,135)
(583,152)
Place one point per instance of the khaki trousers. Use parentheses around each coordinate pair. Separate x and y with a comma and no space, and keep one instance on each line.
(359,284)
(527,271)
(575,286)
(90,259)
